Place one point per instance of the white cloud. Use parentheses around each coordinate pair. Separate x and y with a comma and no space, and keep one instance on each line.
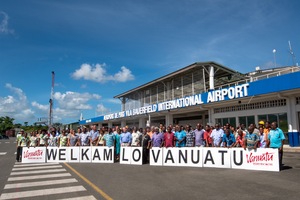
(4,24)
(40,106)
(115,101)
(16,105)
(101,109)
(75,100)
(98,74)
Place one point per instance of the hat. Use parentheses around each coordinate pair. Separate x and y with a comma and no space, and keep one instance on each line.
(261,122)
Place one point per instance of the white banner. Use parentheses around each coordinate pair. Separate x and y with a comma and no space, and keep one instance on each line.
(102,154)
(156,156)
(265,159)
(216,157)
(34,155)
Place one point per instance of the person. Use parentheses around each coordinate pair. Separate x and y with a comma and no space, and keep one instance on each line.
(117,143)
(109,138)
(251,139)
(145,142)
(199,135)
(157,138)
(73,140)
(22,141)
(43,138)
(180,136)
(62,139)
(206,136)
(262,141)
(228,138)
(275,140)
(93,135)
(135,142)
(190,136)
(217,135)
(52,141)
(34,141)
(169,138)
(84,137)
(267,130)
(125,137)
(240,138)
(101,137)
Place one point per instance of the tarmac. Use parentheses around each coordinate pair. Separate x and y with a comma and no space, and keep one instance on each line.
(288,148)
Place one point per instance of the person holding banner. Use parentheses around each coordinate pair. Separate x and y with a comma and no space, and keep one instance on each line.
(43,139)
(275,140)
(22,141)
(190,136)
(109,138)
(217,135)
(63,139)
(180,136)
(169,138)
(101,138)
(240,139)
(135,142)
(251,139)
(228,138)
(84,137)
(73,140)
(34,141)
(118,144)
(206,136)
(145,142)
(52,141)
(157,138)
(93,135)
(125,137)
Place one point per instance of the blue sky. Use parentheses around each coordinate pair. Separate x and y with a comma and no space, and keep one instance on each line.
(99,49)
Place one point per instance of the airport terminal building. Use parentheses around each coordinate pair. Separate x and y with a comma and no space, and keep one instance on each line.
(209,93)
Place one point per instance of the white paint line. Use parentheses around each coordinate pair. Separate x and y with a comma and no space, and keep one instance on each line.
(40,183)
(38,172)
(81,198)
(21,178)
(34,164)
(2,153)
(15,153)
(43,192)
(35,168)
(15,142)
(7,142)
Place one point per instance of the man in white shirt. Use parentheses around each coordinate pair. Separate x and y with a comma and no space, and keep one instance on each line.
(217,135)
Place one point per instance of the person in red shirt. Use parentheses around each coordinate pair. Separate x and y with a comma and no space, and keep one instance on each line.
(240,139)
(169,138)
(206,136)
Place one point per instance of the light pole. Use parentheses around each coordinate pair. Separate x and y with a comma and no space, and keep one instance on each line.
(274,52)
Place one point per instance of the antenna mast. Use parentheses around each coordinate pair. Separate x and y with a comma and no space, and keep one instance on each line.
(292,53)
(51,102)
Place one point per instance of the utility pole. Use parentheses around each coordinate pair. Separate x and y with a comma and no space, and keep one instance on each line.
(51,102)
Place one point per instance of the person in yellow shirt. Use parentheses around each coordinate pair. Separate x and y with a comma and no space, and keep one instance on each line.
(267,130)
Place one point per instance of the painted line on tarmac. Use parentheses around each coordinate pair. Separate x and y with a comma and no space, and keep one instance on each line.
(35,168)
(17,164)
(38,172)
(97,189)
(40,183)
(34,193)
(7,142)
(21,178)
(2,153)
(91,197)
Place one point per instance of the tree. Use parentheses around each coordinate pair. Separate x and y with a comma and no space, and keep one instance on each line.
(25,123)
(6,123)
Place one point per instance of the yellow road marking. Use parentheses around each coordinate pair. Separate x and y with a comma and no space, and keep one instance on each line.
(101,192)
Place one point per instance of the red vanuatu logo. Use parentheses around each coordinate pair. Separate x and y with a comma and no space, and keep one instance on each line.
(265,157)
(36,153)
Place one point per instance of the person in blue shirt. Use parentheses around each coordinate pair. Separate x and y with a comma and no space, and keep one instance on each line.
(109,138)
(180,136)
(125,137)
(275,140)
(228,138)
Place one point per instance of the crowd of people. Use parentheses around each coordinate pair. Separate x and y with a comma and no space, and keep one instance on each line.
(266,135)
